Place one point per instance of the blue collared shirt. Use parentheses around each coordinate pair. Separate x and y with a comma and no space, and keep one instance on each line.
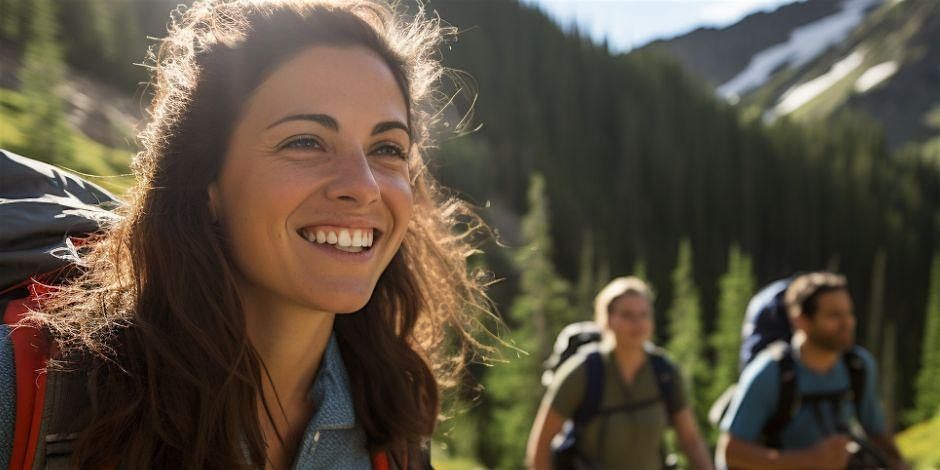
(332,439)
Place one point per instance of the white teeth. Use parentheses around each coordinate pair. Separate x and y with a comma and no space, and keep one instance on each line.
(357,238)
(349,249)
(344,238)
(351,240)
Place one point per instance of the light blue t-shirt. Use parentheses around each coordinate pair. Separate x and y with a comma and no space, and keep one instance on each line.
(755,402)
(333,438)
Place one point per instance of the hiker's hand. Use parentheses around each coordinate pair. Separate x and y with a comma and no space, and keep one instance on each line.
(832,453)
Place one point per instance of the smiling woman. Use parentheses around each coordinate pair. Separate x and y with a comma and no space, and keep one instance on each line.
(279,289)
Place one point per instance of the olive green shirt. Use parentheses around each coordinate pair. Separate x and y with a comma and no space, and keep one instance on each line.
(624,439)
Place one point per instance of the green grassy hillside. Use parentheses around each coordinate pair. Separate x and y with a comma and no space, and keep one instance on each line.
(105,166)
(918,443)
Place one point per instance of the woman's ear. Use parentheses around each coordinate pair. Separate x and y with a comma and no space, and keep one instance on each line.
(799,322)
(214,201)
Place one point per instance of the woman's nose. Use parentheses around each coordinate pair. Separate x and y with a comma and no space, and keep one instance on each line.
(353,180)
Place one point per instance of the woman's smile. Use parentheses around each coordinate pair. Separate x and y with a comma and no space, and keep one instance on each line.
(349,240)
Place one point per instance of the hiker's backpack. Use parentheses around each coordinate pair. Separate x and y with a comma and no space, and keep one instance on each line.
(564,451)
(767,327)
(45,213)
(766,321)
(569,341)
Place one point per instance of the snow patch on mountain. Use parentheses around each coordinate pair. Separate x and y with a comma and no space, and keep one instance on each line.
(804,44)
(805,92)
(875,75)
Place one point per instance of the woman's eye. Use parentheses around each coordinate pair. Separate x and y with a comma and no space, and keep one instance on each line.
(305,142)
(390,150)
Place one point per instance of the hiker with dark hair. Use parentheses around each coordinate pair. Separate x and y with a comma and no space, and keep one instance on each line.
(278,287)
(811,403)
(609,405)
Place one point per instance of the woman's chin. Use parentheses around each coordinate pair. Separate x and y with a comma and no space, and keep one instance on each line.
(338,306)
(632,342)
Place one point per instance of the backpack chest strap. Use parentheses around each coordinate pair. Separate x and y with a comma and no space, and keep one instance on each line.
(790,399)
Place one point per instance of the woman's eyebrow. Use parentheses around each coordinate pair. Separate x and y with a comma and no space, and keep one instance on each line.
(389,125)
(323,119)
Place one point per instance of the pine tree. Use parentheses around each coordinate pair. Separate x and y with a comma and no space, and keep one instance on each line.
(543,296)
(14,20)
(685,328)
(42,74)
(587,284)
(735,287)
(927,403)
(539,311)
(639,270)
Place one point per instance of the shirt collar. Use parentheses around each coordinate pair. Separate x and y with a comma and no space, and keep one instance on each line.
(330,392)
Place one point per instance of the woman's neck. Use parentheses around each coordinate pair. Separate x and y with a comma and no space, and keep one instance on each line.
(629,355)
(291,342)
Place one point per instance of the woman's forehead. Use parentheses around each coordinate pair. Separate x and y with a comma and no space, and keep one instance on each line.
(630,300)
(352,84)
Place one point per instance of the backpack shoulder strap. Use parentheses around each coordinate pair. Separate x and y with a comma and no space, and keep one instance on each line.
(51,406)
(856,367)
(666,376)
(380,461)
(30,356)
(788,401)
(65,413)
(594,388)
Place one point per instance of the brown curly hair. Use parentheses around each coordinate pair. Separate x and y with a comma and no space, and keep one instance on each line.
(174,381)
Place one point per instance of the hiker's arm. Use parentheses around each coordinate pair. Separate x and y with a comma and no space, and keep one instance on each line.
(538,451)
(887,445)
(872,414)
(742,455)
(690,439)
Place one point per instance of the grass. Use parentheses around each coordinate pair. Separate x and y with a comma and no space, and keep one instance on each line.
(102,165)
(442,460)
(918,444)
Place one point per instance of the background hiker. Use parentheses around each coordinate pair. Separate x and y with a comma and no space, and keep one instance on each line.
(797,406)
(617,398)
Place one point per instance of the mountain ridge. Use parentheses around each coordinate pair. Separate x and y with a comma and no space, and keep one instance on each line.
(884,67)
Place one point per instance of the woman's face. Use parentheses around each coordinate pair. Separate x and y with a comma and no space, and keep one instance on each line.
(314,193)
(630,318)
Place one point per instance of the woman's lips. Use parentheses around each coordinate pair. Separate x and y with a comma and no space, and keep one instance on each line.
(351,240)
